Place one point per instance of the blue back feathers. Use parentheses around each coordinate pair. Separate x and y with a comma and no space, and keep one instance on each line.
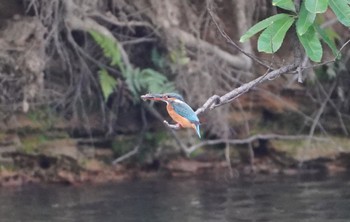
(184,110)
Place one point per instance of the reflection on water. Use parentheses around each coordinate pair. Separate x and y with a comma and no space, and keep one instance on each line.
(174,200)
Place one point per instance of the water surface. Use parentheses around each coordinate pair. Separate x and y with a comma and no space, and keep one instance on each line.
(213,198)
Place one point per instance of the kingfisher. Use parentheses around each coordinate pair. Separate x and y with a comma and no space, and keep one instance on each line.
(178,110)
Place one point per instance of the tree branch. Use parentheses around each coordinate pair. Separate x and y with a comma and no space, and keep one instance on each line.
(171,127)
(232,43)
(141,138)
(86,24)
(191,41)
(252,139)
(216,101)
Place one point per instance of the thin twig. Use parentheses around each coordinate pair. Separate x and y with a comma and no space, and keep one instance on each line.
(191,41)
(156,114)
(339,114)
(109,17)
(317,118)
(319,113)
(140,142)
(329,61)
(231,42)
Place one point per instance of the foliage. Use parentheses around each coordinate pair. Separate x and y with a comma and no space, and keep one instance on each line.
(32,144)
(285,4)
(157,59)
(179,56)
(109,47)
(272,37)
(307,25)
(312,44)
(328,72)
(137,79)
(107,83)
(44,118)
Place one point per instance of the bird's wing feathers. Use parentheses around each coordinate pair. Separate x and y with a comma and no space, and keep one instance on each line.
(186,111)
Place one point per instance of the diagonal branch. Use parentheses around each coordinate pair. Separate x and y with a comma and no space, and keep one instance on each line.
(140,140)
(232,43)
(216,101)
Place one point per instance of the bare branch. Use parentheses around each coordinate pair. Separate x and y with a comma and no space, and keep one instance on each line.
(215,101)
(320,111)
(171,128)
(332,60)
(232,43)
(109,17)
(212,100)
(191,41)
(86,24)
(137,147)
(252,139)
(127,155)
(339,114)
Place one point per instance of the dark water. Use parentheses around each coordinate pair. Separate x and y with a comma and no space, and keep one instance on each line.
(201,199)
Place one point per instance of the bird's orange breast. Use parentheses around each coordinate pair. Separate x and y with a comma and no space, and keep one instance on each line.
(177,118)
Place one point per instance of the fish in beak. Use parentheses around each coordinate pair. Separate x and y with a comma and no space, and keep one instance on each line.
(155,97)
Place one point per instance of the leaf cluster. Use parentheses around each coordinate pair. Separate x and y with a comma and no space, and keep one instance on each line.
(307,26)
(136,79)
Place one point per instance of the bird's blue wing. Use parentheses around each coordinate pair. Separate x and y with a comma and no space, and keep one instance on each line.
(186,111)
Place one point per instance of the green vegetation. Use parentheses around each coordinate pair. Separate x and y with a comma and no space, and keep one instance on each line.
(44,118)
(33,143)
(303,149)
(308,27)
(123,144)
(138,80)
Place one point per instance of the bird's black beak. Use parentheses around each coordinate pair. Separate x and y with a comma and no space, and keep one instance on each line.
(152,97)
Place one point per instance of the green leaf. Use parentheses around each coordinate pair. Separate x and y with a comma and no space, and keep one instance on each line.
(272,37)
(305,20)
(316,6)
(342,10)
(135,78)
(262,25)
(327,39)
(155,81)
(109,47)
(285,4)
(107,83)
(137,82)
(333,35)
(311,44)
(130,74)
(157,59)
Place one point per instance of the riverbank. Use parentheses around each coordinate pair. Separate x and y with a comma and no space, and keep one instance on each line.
(34,154)
(33,169)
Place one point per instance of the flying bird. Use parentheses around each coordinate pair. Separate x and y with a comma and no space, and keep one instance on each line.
(178,110)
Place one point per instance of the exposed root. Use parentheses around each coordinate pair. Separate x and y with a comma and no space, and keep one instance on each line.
(21,64)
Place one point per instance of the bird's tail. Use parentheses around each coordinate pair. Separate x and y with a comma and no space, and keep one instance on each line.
(196,127)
